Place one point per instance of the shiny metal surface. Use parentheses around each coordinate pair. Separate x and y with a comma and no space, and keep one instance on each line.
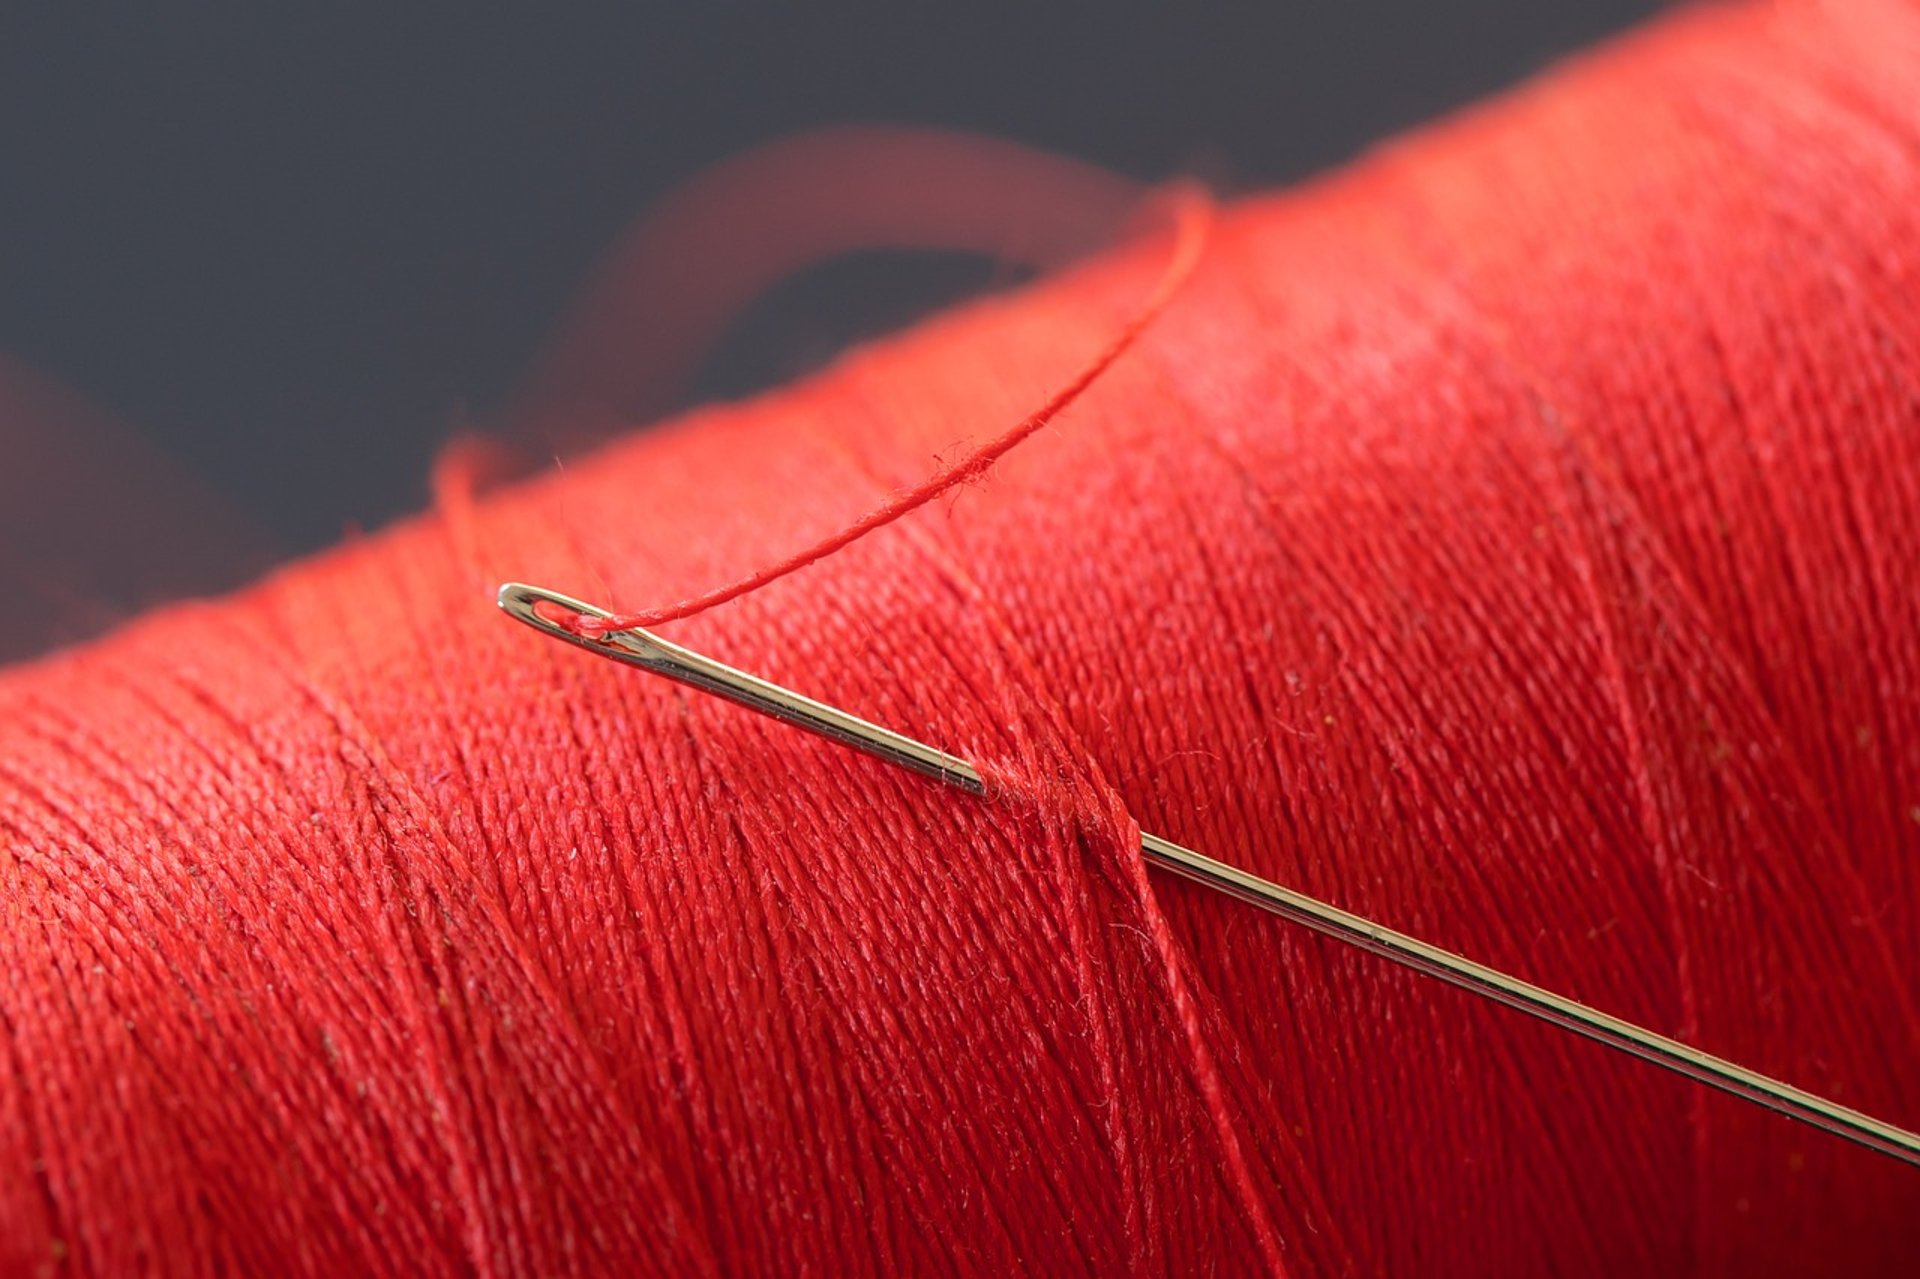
(650,652)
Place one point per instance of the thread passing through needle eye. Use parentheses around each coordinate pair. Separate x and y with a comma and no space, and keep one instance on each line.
(549,612)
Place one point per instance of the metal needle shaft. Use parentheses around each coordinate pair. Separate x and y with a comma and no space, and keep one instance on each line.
(650,652)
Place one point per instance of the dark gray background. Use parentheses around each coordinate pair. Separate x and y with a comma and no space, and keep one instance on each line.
(292,243)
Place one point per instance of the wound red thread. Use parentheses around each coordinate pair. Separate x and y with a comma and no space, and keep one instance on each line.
(1514,537)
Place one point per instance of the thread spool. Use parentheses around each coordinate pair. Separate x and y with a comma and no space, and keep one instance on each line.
(1510,537)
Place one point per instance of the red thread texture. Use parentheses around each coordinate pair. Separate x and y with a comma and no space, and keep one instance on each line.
(1514,537)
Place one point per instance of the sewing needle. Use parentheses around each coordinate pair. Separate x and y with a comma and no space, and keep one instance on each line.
(651,653)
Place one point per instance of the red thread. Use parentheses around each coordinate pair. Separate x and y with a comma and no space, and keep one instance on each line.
(669,289)
(96,524)
(1193,216)
(1515,538)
